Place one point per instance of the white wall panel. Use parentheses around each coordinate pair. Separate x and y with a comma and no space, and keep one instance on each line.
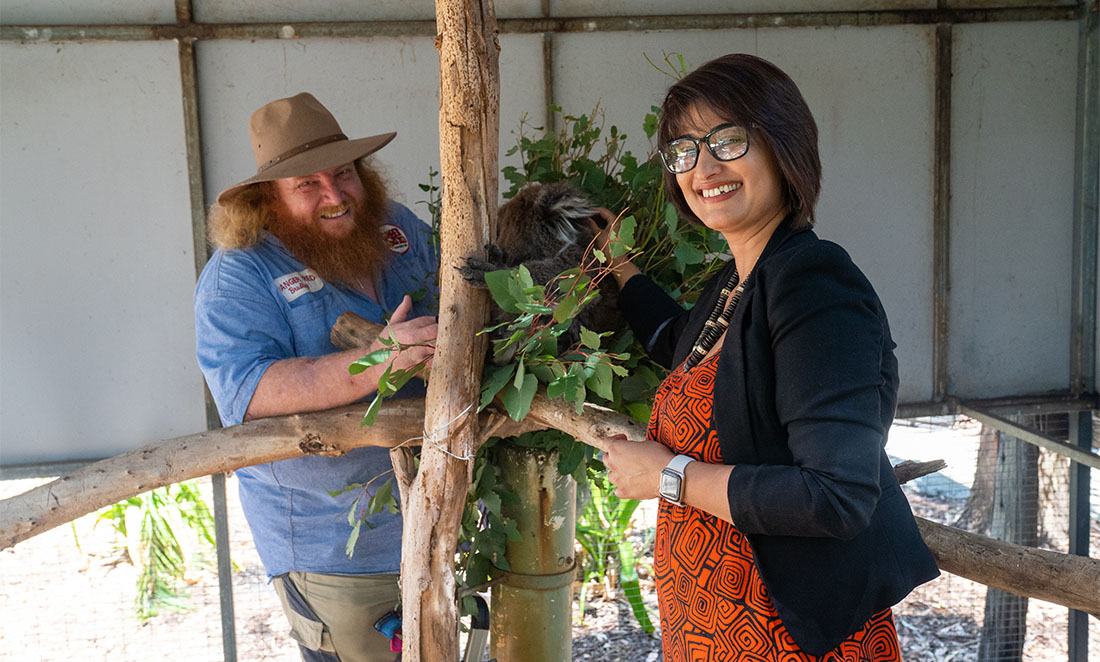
(86,12)
(1013,109)
(242,11)
(96,261)
(370,85)
(871,93)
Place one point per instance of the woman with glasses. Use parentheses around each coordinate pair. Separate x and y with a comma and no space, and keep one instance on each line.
(782,533)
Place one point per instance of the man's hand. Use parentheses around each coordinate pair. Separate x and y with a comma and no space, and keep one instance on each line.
(416,337)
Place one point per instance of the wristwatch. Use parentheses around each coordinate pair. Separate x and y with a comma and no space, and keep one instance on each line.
(671,487)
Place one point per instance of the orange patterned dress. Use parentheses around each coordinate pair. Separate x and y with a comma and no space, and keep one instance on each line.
(713,603)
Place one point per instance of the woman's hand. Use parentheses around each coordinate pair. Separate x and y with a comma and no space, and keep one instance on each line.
(635,466)
(621,267)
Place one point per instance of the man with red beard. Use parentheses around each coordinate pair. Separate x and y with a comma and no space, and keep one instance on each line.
(312,235)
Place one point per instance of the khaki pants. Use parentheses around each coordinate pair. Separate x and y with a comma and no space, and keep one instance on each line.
(337,619)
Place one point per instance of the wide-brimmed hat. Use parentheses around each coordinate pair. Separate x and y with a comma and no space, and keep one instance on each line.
(297,136)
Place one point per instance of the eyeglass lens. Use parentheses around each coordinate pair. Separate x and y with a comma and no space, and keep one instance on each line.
(726,142)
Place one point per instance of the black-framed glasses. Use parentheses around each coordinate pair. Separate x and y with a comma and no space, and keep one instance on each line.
(726,142)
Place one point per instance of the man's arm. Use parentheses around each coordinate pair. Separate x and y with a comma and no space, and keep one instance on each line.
(291,386)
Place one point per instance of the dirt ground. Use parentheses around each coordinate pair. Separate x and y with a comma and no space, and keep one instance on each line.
(67,595)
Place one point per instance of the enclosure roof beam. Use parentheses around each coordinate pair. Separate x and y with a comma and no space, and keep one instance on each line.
(185,30)
(1033,437)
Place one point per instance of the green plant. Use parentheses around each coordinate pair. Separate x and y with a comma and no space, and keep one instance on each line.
(168,532)
(603,529)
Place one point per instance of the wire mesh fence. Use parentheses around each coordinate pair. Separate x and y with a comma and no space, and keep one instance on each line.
(69,593)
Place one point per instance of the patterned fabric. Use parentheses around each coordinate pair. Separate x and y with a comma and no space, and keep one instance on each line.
(714,605)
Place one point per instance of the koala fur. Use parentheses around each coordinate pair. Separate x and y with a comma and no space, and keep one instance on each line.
(545,228)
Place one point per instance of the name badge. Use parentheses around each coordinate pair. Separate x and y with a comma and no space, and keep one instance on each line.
(295,284)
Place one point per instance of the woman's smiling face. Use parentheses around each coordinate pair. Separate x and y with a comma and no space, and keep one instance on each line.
(731,197)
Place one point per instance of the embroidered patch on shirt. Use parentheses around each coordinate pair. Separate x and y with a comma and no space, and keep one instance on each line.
(395,238)
(297,283)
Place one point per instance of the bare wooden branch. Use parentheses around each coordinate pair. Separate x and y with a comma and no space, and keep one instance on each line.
(910,470)
(1064,579)
(330,433)
(351,331)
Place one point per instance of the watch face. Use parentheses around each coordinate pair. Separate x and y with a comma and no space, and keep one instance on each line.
(670,485)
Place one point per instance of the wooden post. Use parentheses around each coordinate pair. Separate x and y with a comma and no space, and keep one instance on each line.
(469,97)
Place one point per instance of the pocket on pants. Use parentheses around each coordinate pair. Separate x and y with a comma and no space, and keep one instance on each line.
(305,628)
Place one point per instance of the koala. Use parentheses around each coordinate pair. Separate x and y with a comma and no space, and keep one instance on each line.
(545,228)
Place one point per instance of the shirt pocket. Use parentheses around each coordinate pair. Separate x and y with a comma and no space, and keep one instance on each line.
(309,326)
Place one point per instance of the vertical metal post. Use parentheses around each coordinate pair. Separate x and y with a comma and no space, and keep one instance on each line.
(193,142)
(1086,243)
(1080,431)
(941,210)
(548,70)
(532,605)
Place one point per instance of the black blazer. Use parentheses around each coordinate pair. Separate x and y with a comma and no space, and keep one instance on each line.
(803,400)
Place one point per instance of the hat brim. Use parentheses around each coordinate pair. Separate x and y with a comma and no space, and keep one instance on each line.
(314,160)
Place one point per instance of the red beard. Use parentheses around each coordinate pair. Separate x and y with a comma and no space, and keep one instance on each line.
(343,260)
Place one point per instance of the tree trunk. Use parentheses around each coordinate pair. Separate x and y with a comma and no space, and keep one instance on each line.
(978,512)
(1015,513)
(469,98)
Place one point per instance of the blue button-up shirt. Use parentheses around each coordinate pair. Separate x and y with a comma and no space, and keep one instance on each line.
(259,305)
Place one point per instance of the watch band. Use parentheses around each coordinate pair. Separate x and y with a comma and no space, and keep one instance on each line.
(678,463)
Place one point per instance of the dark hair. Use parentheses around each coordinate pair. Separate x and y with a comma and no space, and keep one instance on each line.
(755,94)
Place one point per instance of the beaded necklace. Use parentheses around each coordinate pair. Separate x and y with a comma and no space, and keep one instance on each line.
(718,321)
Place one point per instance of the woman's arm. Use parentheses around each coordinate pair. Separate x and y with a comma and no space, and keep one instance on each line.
(635,469)
(835,387)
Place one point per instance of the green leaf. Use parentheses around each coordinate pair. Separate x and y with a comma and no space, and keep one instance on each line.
(566,309)
(518,381)
(535,308)
(376,357)
(500,287)
(518,400)
(600,381)
(590,339)
(353,486)
(623,241)
(672,219)
(353,538)
(688,254)
(639,411)
(571,457)
(491,385)
(372,411)
(564,386)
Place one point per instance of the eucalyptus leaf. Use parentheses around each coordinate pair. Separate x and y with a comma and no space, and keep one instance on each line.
(589,338)
(376,357)
(490,385)
(500,288)
(517,401)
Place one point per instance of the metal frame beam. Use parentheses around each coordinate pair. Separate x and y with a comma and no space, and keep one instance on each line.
(188,30)
(1034,437)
